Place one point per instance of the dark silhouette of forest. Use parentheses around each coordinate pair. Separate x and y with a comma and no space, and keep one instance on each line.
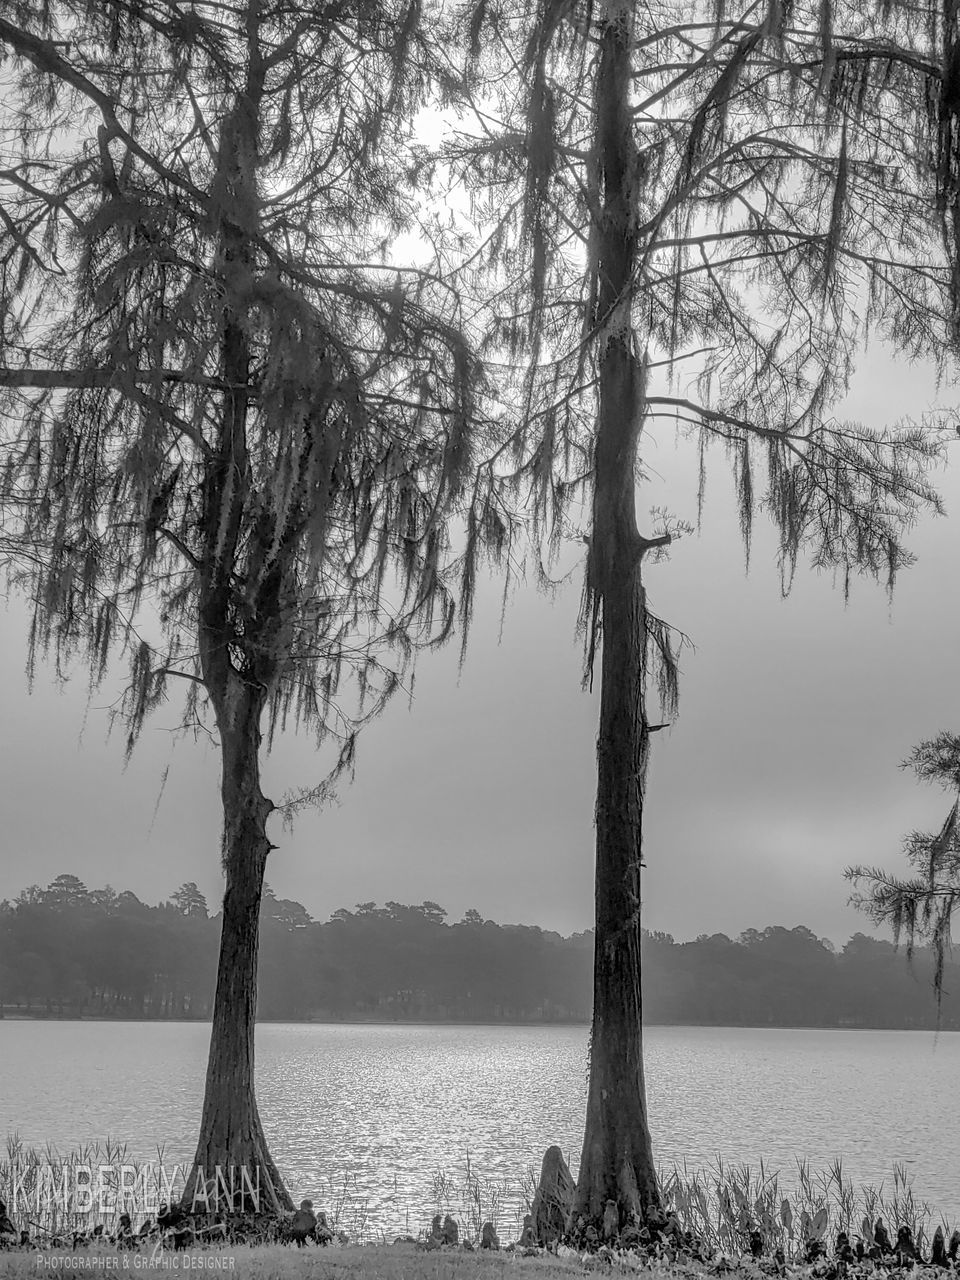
(68,951)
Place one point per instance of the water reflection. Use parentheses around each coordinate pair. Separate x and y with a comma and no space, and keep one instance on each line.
(369,1115)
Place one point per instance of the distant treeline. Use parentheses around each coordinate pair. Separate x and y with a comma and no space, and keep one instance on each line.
(67,950)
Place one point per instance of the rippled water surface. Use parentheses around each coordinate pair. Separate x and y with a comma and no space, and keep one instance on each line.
(372,1113)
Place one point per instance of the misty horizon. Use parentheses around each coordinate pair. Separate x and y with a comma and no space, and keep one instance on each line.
(67,951)
(212,908)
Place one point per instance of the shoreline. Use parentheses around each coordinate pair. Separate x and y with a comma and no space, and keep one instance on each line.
(7,1016)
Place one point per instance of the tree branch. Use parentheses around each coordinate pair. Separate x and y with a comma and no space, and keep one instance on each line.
(63,379)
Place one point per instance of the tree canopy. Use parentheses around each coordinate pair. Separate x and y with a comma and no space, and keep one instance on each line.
(167,242)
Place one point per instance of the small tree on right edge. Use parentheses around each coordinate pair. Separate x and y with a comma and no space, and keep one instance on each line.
(921,907)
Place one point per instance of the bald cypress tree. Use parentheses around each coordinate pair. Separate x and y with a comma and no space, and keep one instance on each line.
(232,434)
(703,221)
(920,907)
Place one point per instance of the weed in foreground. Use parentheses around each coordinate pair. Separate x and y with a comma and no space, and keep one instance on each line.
(723,1204)
(719,1205)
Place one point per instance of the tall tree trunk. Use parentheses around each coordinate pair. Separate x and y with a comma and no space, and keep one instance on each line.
(238,676)
(947,152)
(232,1155)
(617,1160)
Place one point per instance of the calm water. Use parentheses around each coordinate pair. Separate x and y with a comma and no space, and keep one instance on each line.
(374,1112)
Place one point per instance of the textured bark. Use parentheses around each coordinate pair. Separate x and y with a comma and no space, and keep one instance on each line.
(617,1160)
(232,1150)
(553,1198)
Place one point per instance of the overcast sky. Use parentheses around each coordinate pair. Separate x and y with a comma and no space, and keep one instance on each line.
(781,769)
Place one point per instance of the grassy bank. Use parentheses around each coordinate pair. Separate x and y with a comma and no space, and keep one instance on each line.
(719,1207)
(276,1262)
(406,1262)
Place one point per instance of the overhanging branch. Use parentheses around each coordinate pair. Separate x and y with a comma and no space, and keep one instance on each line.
(68,379)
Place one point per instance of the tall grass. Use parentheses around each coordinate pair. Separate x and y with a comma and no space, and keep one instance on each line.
(472,1199)
(719,1205)
(345,1204)
(723,1204)
(47,1191)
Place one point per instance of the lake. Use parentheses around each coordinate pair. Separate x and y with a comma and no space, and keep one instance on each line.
(365,1118)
